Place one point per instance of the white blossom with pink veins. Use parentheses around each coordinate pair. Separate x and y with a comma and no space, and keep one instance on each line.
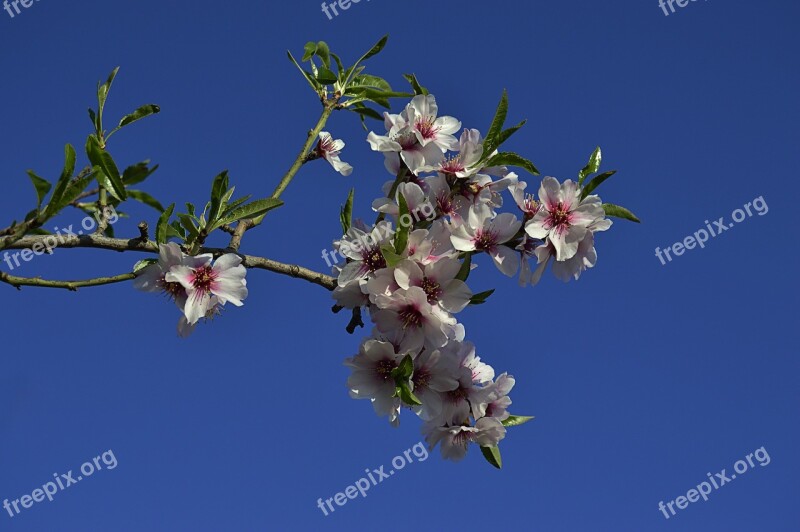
(428,127)
(401,143)
(437,280)
(481,232)
(465,162)
(225,279)
(329,149)
(371,377)
(494,400)
(409,311)
(487,432)
(433,374)
(563,219)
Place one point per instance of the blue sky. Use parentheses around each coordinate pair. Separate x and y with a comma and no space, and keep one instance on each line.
(643,377)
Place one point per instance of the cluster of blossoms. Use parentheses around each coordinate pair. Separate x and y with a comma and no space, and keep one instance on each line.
(417,355)
(199,285)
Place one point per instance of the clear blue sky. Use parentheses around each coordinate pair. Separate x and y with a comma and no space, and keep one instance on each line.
(643,377)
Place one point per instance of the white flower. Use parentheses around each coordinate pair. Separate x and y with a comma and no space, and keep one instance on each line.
(465,162)
(563,218)
(433,374)
(437,280)
(152,278)
(364,250)
(480,232)
(329,149)
(428,127)
(493,400)
(454,440)
(371,377)
(409,311)
(526,202)
(403,145)
(225,279)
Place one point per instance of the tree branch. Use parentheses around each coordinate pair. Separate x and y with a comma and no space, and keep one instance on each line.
(148,246)
(19,282)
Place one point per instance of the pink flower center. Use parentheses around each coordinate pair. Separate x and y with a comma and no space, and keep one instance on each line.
(374,260)
(326,145)
(530,206)
(204,278)
(410,317)
(426,127)
(452,165)
(407,141)
(421,379)
(432,289)
(560,217)
(485,240)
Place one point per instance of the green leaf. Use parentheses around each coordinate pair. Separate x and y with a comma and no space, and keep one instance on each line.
(513,421)
(326,77)
(492,140)
(401,237)
(309,50)
(219,188)
(346,212)
(596,182)
(163,225)
(251,210)
(137,173)
(142,264)
(366,80)
(56,198)
(108,177)
(592,167)
(466,267)
(93,118)
(376,49)
(512,159)
(41,185)
(418,89)
(480,298)
(142,112)
(392,258)
(366,111)
(307,75)
(102,96)
(505,134)
(492,455)
(324,53)
(620,212)
(147,199)
(405,369)
(74,189)
(339,65)
(187,221)
(406,395)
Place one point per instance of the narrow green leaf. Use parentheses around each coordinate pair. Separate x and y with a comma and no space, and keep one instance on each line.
(405,369)
(41,185)
(512,159)
(366,111)
(466,267)
(142,112)
(592,166)
(480,298)
(108,177)
(620,212)
(307,75)
(596,182)
(513,421)
(492,140)
(346,212)
(147,199)
(506,134)
(219,187)
(492,455)
(401,237)
(418,89)
(63,181)
(251,210)
(372,51)
(188,223)
(163,225)
(74,189)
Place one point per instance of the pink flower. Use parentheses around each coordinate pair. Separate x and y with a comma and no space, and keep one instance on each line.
(225,279)
(329,149)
